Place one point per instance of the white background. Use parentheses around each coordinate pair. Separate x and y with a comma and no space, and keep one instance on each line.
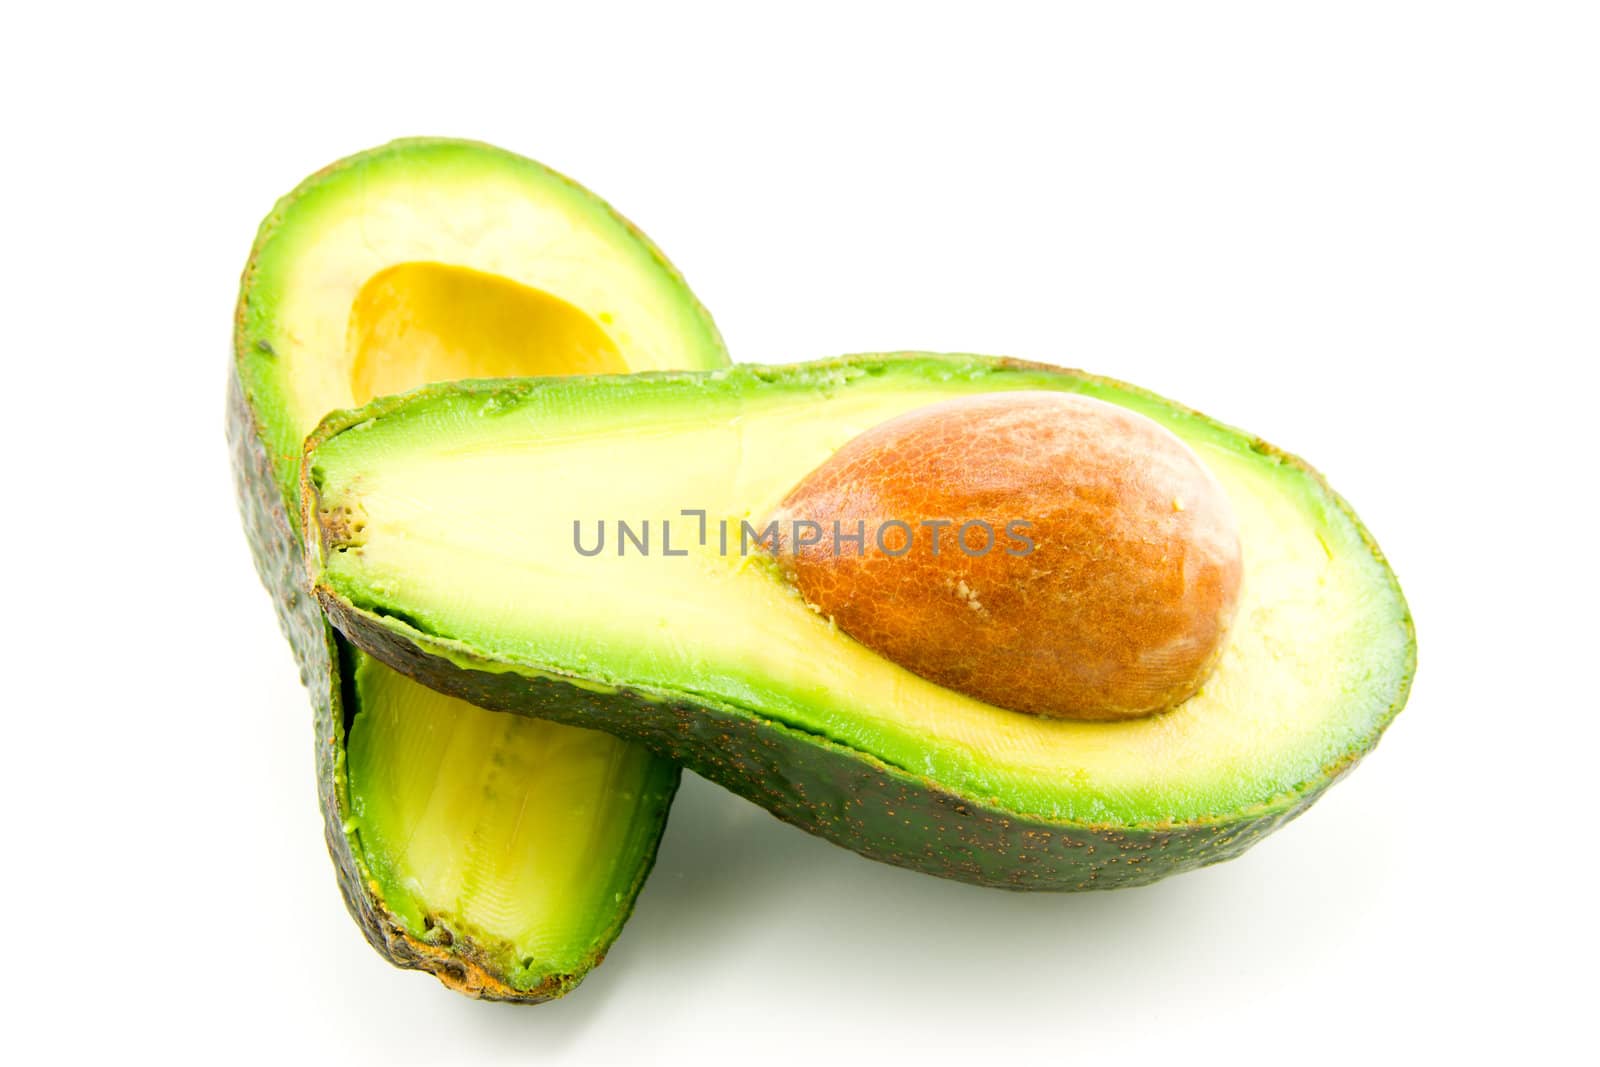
(1368,232)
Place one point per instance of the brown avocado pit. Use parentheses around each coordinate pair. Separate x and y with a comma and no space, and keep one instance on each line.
(1047,553)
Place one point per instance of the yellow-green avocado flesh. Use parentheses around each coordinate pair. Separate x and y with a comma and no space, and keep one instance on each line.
(502,855)
(445,545)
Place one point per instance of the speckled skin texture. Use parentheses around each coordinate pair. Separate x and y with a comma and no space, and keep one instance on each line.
(1089,566)
(840,794)
(322,658)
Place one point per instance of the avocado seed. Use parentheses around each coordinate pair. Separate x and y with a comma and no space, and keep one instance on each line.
(1043,552)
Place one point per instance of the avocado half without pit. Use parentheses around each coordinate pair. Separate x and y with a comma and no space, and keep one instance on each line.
(500,853)
(1200,639)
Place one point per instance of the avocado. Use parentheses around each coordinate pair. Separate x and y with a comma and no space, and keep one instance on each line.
(588,550)
(502,855)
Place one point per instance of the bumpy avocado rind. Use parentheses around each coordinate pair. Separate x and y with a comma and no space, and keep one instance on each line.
(918,807)
(324,659)
(264,435)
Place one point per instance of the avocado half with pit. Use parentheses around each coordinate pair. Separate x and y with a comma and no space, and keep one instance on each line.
(455,534)
(501,854)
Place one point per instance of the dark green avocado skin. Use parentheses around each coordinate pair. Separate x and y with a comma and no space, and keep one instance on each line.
(837,793)
(316,647)
(323,658)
